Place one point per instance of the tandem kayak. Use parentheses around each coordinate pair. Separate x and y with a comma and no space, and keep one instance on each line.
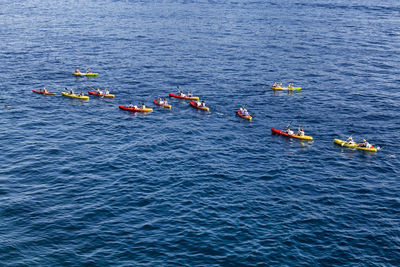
(243,116)
(43,93)
(162,105)
(285,88)
(343,143)
(284,133)
(95,93)
(194,104)
(136,109)
(185,97)
(84,74)
(85,97)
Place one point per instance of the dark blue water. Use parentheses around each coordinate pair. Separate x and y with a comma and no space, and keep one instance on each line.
(84,183)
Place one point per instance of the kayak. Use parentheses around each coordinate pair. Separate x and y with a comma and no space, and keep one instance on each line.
(284,88)
(243,116)
(185,97)
(194,104)
(43,93)
(284,133)
(162,105)
(84,74)
(85,97)
(343,143)
(95,93)
(136,109)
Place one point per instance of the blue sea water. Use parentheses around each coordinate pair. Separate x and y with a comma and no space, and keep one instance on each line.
(87,184)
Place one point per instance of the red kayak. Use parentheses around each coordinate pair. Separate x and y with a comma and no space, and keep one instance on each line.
(43,93)
(162,105)
(194,104)
(185,97)
(284,133)
(248,117)
(136,109)
(95,93)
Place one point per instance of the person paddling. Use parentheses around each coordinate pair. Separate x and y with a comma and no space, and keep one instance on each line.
(288,131)
(301,132)
(365,144)
(350,141)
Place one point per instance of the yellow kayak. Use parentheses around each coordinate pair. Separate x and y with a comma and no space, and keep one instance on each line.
(243,116)
(284,133)
(85,97)
(284,88)
(85,74)
(168,106)
(356,146)
(194,104)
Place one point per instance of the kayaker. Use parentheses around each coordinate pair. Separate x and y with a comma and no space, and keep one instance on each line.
(81,93)
(350,140)
(246,113)
(190,94)
(44,90)
(77,70)
(365,144)
(274,85)
(143,106)
(288,131)
(289,85)
(88,71)
(165,101)
(106,92)
(301,132)
(241,110)
(71,91)
(99,91)
(130,105)
(181,94)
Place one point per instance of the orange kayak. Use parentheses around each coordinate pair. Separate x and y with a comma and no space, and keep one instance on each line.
(243,116)
(43,93)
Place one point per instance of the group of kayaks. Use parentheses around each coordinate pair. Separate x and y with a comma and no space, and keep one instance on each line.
(163,103)
(195,103)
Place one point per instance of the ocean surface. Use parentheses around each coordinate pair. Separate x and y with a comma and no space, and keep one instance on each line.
(86,184)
